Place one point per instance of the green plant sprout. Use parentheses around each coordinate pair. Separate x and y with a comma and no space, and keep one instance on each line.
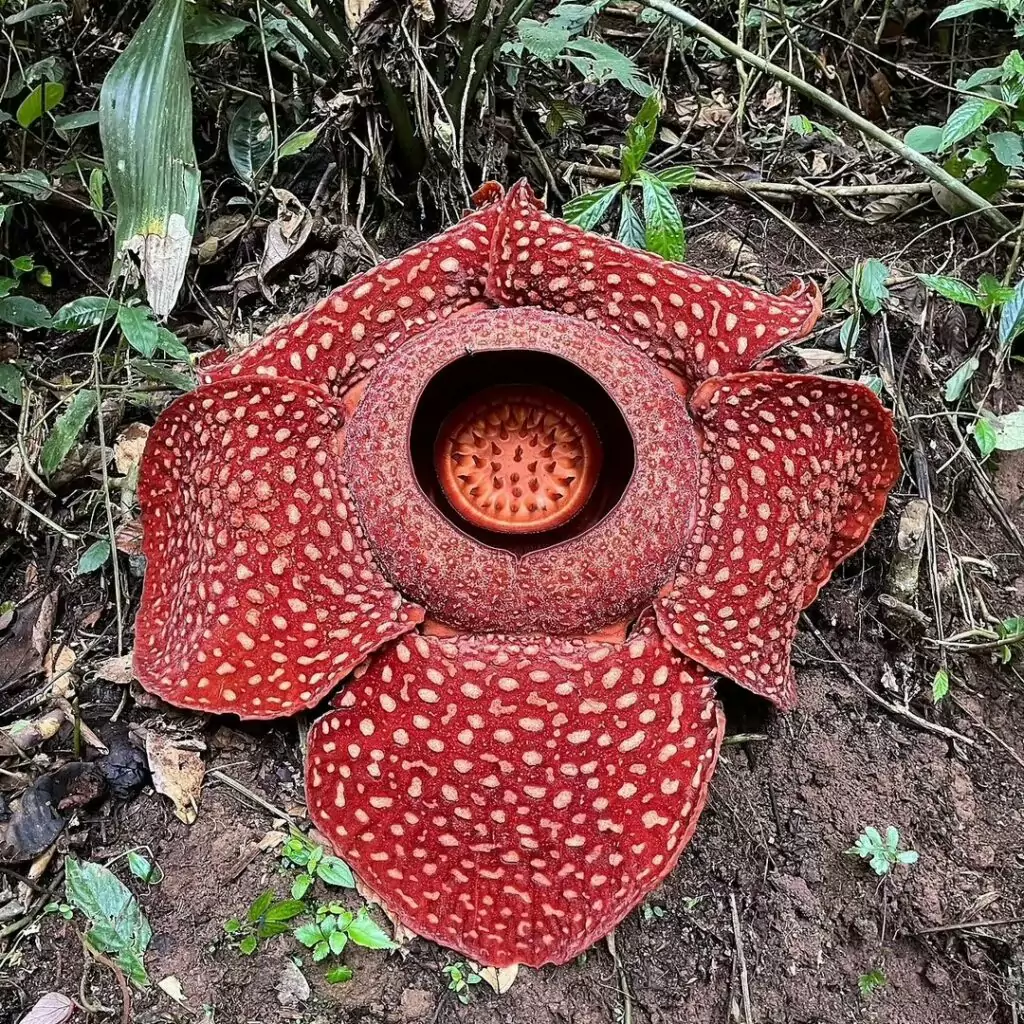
(883,854)
(871,981)
(658,226)
(265,918)
(299,852)
(460,978)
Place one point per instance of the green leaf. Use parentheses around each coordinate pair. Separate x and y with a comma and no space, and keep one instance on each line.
(96,181)
(639,136)
(364,931)
(1007,148)
(301,886)
(588,210)
(232,926)
(849,334)
(871,982)
(321,951)
(994,292)
(542,40)
(22,311)
(250,141)
(958,10)
(66,430)
(204,27)
(924,138)
(144,869)
(335,871)
(118,925)
(73,122)
(677,177)
(285,910)
(663,223)
(603,63)
(800,124)
(88,311)
(146,130)
(268,929)
(959,380)
(34,184)
(1008,430)
(248,945)
(35,11)
(631,227)
(42,99)
(339,974)
(951,288)
(145,335)
(259,906)
(10,383)
(297,142)
(907,857)
(94,556)
(163,375)
(940,685)
(309,935)
(966,120)
(337,941)
(1011,320)
(984,437)
(871,290)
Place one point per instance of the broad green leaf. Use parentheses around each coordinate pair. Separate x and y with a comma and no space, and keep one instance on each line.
(1011,320)
(940,685)
(88,311)
(65,431)
(10,383)
(994,293)
(22,311)
(250,142)
(334,871)
(72,122)
(301,886)
(23,264)
(966,120)
(145,335)
(984,437)
(951,288)
(309,935)
(146,129)
(248,945)
(284,910)
(543,40)
(339,974)
(983,76)
(1007,148)
(639,137)
(631,227)
(588,210)
(603,63)
(30,183)
(144,869)
(259,906)
(96,181)
(960,379)
(337,941)
(924,138)
(958,10)
(118,925)
(163,375)
(204,27)
(663,224)
(801,124)
(364,931)
(871,289)
(42,99)
(297,142)
(34,11)
(677,177)
(1008,430)
(94,557)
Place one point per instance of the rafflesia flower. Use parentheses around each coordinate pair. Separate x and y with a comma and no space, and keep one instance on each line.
(525,490)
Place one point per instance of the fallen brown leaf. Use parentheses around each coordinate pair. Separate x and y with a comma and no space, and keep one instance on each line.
(177,771)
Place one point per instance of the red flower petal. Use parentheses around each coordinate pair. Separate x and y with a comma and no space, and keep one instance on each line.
(515,798)
(344,336)
(795,474)
(695,324)
(260,592)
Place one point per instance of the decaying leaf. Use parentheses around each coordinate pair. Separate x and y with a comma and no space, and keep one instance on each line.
(286,235)
(53,1008)
(129,446)
(177,771)
(500,979)
(146,129)
(115,670)
(889,207)
(172,987)
(25,643)
(24,736)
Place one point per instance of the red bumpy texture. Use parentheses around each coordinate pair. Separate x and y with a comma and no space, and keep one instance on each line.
(514,797)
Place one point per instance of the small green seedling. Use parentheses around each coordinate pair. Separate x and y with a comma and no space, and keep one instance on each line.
(334,927)
(64,910)
(883,854)
(299,852)
(651,912)
(265,918)
(871,982)
(460,977)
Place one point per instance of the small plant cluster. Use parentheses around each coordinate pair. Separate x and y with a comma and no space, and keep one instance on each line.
(882,853)
(332,926)
(658,226)
(460,977)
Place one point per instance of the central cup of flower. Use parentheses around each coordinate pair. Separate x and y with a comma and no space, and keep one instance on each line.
(517,459)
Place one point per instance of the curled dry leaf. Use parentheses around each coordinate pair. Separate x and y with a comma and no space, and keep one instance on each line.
(22,737)
(57,665)
(500,979)
(129,446)
(172,987)
(115,670)
(177,771)
(285,236)
(25,643)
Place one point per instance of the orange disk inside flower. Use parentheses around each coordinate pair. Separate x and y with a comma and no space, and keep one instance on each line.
(517,459)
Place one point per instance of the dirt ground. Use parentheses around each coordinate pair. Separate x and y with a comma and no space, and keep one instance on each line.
(767,918)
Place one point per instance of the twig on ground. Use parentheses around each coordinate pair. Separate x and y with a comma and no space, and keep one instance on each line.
(741,959)
(964,926)
(893,709)
(238,787)
(967,195)
(627,999)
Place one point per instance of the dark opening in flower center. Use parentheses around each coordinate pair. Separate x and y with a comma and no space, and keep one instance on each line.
(517,459)
(521,449)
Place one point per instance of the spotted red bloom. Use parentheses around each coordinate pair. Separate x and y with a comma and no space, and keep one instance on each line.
(539,474)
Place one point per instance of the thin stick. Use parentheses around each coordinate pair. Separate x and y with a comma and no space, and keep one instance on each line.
(958,926)
(866,127)
(893,709)
(741,959)
(238,787)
